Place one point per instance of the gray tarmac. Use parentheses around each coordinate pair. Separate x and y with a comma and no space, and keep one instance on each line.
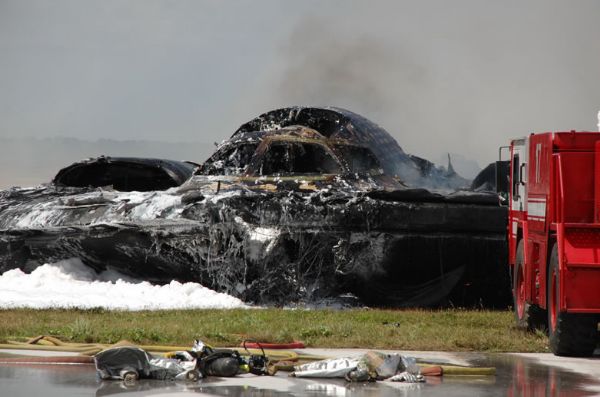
(516,375)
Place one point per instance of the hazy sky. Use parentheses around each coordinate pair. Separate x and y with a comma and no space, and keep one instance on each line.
(458,76)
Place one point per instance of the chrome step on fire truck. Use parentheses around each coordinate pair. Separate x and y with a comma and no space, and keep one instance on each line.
(554,237)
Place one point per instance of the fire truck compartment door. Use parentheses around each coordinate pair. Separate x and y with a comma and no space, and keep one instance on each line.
(580,272)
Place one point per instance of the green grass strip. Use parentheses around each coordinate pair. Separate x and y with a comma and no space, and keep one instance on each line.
(445,330)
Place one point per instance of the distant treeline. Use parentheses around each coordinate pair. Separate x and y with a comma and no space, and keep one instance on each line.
(31,161)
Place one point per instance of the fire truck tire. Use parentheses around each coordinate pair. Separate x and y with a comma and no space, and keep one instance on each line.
(527,316)
(570,334)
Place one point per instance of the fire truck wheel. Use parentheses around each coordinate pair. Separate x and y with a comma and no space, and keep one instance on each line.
(527,316)
(571,334)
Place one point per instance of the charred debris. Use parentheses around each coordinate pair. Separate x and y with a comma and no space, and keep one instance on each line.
(300,204)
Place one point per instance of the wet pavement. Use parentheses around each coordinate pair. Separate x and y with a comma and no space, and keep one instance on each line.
(516,375)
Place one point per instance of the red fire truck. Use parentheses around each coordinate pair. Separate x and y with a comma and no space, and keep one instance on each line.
(554,237)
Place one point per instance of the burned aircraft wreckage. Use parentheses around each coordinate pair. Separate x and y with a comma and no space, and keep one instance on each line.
(300,204)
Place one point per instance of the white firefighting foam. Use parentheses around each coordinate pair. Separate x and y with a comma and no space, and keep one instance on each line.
(71,284)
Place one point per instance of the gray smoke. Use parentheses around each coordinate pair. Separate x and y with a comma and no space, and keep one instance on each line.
(323,66)
(460,77)
(463,80)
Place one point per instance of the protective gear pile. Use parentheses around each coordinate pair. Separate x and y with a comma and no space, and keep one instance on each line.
(371,366)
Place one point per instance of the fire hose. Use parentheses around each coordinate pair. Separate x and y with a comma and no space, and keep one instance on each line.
(284,360)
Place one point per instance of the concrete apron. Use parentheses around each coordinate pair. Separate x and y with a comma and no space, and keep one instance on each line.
(516,372)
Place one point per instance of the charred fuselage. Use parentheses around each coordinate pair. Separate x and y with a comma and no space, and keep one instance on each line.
(300,204)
